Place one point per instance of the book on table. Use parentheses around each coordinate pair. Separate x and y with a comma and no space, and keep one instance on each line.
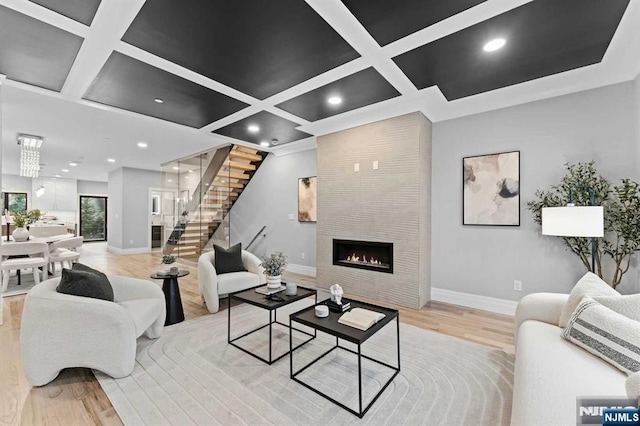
(269,291)
(360,318)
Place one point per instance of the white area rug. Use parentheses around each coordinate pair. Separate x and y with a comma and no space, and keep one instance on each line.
(191,375)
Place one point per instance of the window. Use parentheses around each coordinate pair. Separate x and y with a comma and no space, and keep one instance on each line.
(93,218)
(15,202)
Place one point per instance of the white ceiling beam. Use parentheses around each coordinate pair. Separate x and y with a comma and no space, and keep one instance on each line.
(348,27)
(183,72)
(45,15)
(112,20)
(451,25)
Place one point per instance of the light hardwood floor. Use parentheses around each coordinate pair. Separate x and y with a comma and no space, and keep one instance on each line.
(76,398)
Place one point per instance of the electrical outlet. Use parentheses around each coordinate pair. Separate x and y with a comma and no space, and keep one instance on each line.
(302,255)
(291,216)
(356,167)
(517,285)
(130,241)
(375,165)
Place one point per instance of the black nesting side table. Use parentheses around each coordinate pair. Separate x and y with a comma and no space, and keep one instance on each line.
(171,290)
(330,325)
(254,298)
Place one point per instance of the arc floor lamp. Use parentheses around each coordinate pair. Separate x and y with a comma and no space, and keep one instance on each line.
(575,221)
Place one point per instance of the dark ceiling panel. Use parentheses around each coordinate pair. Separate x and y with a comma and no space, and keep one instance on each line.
(357,90)
(33,52)
(388,21)
(257,47)
(82,11)
(271,127)
(544,37)
(129,84)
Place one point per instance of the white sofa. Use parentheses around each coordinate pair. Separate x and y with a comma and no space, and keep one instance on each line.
(550,372)
(62,331)
(213,285)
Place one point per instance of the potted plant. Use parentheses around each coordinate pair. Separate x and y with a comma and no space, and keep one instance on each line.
(20,234)
(168,262)
(274,266)
(33,216)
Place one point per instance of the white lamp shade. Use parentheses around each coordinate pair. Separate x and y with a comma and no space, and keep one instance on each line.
(578,221)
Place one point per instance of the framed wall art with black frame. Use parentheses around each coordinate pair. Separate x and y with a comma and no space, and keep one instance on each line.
(491,189)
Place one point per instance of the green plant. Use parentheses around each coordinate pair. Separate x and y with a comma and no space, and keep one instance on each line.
(274,264)
(20,220)
(168,259)
(33,216)
(621,205)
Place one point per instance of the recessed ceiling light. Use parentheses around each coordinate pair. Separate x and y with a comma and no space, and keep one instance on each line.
(264,143)
(190,171)
(65,170)
(253,128)
(57,176)
(73,163)
(158,101)
(176,168)
(111,160)
(142,145)
(335,100)
(186,177)
(169,180)
(495,44)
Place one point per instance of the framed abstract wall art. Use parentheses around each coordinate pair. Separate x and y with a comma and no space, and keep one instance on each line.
(307,199)
(491,189)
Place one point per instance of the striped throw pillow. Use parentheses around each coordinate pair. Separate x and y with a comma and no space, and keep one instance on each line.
(606,334)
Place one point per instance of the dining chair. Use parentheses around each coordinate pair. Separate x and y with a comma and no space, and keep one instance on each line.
(18,256)
(64,251)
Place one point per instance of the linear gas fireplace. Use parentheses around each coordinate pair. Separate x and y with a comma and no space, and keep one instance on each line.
(371,255)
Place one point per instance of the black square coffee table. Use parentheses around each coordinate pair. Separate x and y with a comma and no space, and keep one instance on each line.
(330,325)
(254,298)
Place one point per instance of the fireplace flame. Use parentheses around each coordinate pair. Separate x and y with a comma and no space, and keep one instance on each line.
(371,261)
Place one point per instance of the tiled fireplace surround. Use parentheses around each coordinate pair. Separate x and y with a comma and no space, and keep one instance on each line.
(389,204)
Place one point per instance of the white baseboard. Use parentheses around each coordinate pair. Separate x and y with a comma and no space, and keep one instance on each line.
(491,304)
(301,269)
(138,250)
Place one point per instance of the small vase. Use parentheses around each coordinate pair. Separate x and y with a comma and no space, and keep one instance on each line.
(274,281)
(20,235)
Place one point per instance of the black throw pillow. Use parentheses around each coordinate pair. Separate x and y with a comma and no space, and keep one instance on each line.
(228,260)
(85,282)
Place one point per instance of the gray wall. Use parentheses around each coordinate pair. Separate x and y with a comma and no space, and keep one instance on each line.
(91,187)
(598,124)
(269,199)
(115,189)
(637,94)
(128,213)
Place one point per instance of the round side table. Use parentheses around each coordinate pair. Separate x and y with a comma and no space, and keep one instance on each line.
(171,290)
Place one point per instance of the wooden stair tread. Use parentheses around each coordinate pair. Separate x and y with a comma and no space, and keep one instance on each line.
(245,156)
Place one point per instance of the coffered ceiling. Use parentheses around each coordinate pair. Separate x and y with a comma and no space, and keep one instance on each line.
(298,69)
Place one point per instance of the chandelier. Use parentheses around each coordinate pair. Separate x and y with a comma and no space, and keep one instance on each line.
(29,154)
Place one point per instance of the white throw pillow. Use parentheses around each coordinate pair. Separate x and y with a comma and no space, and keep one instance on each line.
(633,385)
(589,285)
(627,305)
(606,334)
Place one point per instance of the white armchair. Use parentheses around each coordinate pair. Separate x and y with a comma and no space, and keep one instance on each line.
(62,331)
(213,285)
